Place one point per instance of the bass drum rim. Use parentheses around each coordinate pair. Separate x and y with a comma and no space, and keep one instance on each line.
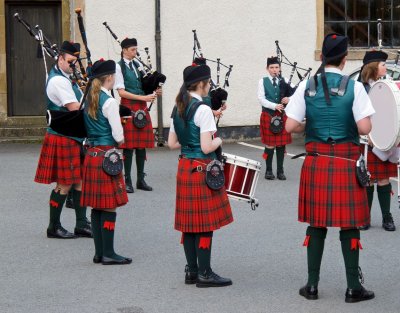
(376,95)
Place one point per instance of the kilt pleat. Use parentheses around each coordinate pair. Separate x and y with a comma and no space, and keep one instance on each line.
(59,161)
(269,138)
(137,137)
(198,208)
(329,194)
(100,190)
(380,169)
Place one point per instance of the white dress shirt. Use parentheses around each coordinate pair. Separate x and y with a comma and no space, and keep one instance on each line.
(261,93)
(59,90)
(119,78)
(110,111)
(203,118)
(362,106)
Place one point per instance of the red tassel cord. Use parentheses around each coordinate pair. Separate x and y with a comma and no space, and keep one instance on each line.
(265,156)
(54,204)
(306,241)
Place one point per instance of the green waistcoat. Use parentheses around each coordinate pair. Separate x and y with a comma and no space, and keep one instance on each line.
(189,136)
(335,120)
(133,83)
(99,130)
(52,106)
(207,100)
(271,92)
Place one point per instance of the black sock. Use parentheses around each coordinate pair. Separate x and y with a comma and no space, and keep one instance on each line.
(350,239)
(384,195)
(203,249)
(270,157)
(280,156)
(56,204)
(80,211)
(189,246)
(128,156)
(107,233)
(96,232)
(140,155)
(315,242)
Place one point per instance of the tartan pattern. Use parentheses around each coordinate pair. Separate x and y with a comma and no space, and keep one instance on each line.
(100,190)
(269,138)
(379,169)
(59,161)
(329,194)
(198,208)
(137,137)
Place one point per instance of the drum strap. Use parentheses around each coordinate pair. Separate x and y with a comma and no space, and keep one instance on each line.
(312,88)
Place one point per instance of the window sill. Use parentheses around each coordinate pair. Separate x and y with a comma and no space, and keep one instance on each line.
(358,54)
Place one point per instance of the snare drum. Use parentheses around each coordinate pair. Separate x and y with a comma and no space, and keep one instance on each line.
(241,177)
(385,98)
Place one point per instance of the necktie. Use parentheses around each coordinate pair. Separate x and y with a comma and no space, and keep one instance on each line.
(274,80)
(131,66)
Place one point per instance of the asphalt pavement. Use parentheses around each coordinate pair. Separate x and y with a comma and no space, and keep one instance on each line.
(261,251)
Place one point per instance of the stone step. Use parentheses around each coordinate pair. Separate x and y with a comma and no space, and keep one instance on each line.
(22,131)
(26,139)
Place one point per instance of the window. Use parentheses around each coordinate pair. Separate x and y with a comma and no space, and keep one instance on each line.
(357,19)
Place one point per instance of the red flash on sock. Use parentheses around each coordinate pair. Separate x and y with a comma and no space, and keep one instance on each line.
(182,238)
(355,244)
(306,241)
(265,156)
(205,243)
(54,203)
(109,225)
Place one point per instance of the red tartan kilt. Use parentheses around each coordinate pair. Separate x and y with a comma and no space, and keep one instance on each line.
(137,137)
(60,161)
(198,208)
(379,169)
(269,138)
(100,190)
(330,195)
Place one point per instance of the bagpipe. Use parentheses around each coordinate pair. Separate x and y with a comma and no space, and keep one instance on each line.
(286,88)
(151,79)
(218,93)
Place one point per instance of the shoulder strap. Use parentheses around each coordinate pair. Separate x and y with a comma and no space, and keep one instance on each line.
(193,110)
(342,87)
(311,91)
(174,110)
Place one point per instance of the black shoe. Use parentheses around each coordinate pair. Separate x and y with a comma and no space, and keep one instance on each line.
(309,292)
(190,277)
(364,227)
(60,233)
(212,280)
(83,232)
(129,187)
(388,223)
(97,259)
(357,295)
(269,175)
(110,261)
(141,184)
(281,176)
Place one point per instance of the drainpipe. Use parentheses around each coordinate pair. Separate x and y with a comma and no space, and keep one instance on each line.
(160,141)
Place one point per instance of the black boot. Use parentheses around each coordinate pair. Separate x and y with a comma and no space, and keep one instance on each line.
(128,185)
(190,277)
(357,295)
(280,156)
(128,156)
(141,183)
(387,223)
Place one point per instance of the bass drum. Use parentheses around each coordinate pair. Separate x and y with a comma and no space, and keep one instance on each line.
(385,98)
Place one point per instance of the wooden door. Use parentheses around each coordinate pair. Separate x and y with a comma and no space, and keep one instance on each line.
(25,71)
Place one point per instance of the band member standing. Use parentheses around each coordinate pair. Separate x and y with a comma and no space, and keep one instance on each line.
(330,195)
(102,191)
(199,209)
(373,69)
(269,96)
(60,157)
(129,86)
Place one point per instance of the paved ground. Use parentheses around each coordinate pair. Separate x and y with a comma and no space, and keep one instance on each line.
(261,251)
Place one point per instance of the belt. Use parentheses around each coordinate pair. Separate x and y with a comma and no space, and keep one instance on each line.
(96,153)
(316,154)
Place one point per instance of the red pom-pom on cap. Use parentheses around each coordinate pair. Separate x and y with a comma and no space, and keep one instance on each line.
(334,36)
(101,60)
(194,64)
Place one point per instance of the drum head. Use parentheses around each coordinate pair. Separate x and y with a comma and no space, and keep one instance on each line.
(385,98)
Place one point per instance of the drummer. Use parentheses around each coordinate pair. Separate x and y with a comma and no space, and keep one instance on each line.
(373,69)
